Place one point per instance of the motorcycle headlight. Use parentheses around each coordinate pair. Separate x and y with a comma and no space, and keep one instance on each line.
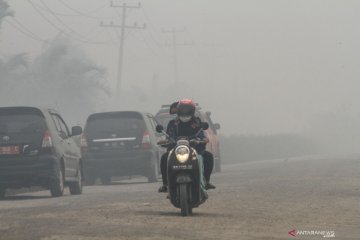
(182,153)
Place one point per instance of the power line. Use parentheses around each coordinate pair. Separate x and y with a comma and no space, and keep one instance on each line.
(34,37)
(147,17)
(44,17)
(154,32)
(97,33)
(175,44)
(111,35)
(126,17)
(36,8)
(157,50)
(82,13)
(149,46)
(81,37)
(85,14)
(58,13)
(27,29)
(151,27)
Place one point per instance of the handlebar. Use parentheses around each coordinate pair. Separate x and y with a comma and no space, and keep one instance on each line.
(169,142)
(197,142)
(165,143)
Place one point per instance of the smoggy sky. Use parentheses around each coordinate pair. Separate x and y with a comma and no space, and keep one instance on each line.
(265,66)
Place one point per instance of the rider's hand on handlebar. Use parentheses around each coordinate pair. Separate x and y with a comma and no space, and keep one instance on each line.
(199,141)
(162,142)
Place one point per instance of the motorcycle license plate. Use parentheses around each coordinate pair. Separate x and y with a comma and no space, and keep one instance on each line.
(10,150)
(182,167)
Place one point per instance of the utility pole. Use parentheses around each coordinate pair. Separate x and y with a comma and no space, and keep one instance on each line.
(175,44)
(122,27)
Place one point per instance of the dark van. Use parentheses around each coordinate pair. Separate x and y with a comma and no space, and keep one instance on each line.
(120,144)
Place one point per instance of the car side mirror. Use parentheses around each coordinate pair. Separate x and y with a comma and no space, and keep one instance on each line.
(217,126)
(159,128)
(75,131)
(204,125)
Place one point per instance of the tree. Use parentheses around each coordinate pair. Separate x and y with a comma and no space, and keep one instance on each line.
(12,75)
(64,77)
(5,11)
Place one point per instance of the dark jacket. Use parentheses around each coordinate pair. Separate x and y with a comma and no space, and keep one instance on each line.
(176,129)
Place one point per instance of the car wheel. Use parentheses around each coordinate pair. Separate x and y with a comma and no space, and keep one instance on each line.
(57,183)
(106,180)
(2,192)
(76,187)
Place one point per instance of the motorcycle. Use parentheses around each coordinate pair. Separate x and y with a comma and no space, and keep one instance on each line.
(186,183)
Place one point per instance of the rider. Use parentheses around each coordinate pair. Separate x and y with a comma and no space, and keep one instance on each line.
(186,124)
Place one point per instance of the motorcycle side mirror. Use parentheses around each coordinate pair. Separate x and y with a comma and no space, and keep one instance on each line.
(159,128)
(217,126)
(204,125)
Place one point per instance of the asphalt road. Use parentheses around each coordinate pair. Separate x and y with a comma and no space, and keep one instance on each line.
(260,200)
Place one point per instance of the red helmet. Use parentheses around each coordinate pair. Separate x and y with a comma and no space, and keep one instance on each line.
(187,101)
(186,109)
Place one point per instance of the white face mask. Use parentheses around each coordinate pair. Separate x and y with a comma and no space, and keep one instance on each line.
(185,118)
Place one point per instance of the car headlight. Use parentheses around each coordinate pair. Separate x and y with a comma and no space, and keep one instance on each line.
(182,153)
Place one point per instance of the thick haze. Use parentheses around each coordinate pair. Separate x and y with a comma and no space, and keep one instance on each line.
(262,67)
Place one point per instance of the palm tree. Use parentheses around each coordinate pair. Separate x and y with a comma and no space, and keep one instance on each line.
(5,11)
(69,79)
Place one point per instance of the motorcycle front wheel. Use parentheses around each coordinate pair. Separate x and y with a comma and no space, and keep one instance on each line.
(186,210)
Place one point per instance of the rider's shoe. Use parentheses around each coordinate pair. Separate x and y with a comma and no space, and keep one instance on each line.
(163,188)
(209,186)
